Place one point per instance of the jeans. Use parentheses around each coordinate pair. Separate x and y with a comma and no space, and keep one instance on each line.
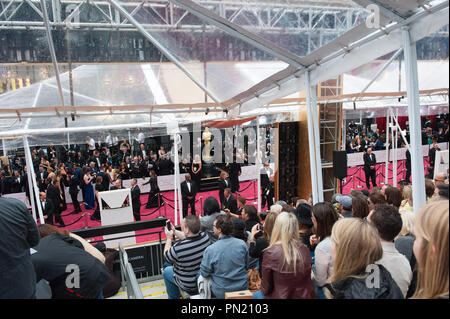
(171,287)
(319,292)
(258,295)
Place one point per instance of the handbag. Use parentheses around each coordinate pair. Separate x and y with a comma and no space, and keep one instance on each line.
(254,280)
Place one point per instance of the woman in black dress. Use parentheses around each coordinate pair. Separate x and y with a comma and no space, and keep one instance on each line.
(97,188)
(196,171)
(154,191)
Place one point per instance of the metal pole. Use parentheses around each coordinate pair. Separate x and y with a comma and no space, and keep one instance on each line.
(396,54)
(412,89)
(53,57)
(312,157)
(30,188)
(5,150)
(175,185)
(315,117)
(31,173)
(258,161)
(394,150)
(386,162)
(177,173)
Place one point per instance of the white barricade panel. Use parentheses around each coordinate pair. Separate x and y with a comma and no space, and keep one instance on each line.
(117,210)
(441,163)
(19,196)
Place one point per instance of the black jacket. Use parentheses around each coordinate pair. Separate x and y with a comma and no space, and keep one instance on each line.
(231,204)
(222,186)
(185,190)
(54,253)
(136,198)
(18,234)
(369,160)
(357,288)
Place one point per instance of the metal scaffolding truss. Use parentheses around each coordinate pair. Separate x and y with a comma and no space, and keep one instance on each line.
(267,17)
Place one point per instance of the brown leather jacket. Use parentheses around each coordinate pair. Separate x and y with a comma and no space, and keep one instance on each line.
(277,284)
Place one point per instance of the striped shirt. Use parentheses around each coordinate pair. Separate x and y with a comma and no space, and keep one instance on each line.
(185,257)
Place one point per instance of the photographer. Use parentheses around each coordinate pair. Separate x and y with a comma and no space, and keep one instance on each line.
(183,258)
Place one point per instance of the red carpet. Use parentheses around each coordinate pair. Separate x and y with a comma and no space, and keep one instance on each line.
(78,221)
(356,178)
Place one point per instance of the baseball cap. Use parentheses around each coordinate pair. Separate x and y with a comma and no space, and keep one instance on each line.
(345,200)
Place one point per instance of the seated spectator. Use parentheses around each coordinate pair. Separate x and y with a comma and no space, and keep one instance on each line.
(18,234)
(287,208)
(239,232)
(250,217)
(404,244)
(429,188)
(183,258)
(260,238)
(355,246)
(431,250)
(55,254)
(305,224)
(287,263)
(211,209)
(393,196)
(441,192)
(388,222)
(225,261)
(439,179)
(360,207)
(113,285)
(407,203)
(324,217)
(375,199)
(46,229)
(345,205)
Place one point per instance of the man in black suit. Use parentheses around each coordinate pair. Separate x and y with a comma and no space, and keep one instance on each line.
(141,151)
(73,191)
(265,174)
(99,159)
(229,201)
(370,162)
(135,168)
(188,193)
(41,176)
(136,199)
(224,182)
(432,157)
(17,182)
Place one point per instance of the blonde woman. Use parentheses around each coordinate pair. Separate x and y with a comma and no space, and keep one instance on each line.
(407,203)
(431,251)
(355,247)
(286,268)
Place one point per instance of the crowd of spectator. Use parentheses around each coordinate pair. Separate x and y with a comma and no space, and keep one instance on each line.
(360,137)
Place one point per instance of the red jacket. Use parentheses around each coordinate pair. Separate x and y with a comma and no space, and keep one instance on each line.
(277,284)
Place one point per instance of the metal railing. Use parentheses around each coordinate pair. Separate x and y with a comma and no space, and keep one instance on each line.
(128,277)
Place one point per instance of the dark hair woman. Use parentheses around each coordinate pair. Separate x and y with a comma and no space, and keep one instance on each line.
(323,216)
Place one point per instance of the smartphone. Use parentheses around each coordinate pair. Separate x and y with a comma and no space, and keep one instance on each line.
(168,225)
